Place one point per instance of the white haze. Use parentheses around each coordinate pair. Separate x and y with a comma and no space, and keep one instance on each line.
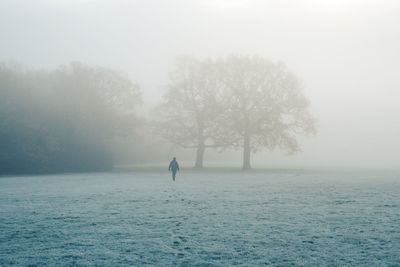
(346,52)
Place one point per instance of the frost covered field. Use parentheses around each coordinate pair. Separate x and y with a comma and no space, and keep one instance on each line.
(203,219)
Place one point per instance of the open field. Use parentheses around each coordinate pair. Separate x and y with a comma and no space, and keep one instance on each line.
(211,218)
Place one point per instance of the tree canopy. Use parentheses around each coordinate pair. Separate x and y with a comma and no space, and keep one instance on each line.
(264,104)
(237,101)
(81,118)
(62,120)
(190,108)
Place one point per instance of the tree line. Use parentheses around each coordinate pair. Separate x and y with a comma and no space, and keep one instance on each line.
(74,118)
(63,120)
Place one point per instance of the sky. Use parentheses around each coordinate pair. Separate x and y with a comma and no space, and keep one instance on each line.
(346,52)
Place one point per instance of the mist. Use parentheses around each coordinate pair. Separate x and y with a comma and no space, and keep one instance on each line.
(344,52)
(199,132)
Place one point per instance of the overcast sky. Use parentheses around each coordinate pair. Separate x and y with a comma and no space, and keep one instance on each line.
(347,53)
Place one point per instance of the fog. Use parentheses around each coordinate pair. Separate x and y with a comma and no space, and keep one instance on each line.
(346,54)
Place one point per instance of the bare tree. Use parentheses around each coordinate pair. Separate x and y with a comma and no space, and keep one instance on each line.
(188,114)
(264,105)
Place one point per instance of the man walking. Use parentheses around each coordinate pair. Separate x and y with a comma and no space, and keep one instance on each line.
(174,167)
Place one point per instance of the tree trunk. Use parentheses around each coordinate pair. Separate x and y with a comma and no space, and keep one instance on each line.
(246,152)
(199,156)
(200,145)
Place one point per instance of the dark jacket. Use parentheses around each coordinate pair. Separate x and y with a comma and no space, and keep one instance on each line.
(173,166)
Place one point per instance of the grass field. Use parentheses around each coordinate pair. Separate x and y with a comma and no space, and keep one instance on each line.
(216,217)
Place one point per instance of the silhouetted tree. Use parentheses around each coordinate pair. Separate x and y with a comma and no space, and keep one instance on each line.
(189,111)
(264,105)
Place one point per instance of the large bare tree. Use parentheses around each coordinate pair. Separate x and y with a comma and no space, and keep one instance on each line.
(264,105)
(188,114)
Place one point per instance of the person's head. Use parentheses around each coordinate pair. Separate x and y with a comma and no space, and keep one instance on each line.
(174,158)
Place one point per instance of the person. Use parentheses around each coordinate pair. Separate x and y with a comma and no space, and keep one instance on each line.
(174,167)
